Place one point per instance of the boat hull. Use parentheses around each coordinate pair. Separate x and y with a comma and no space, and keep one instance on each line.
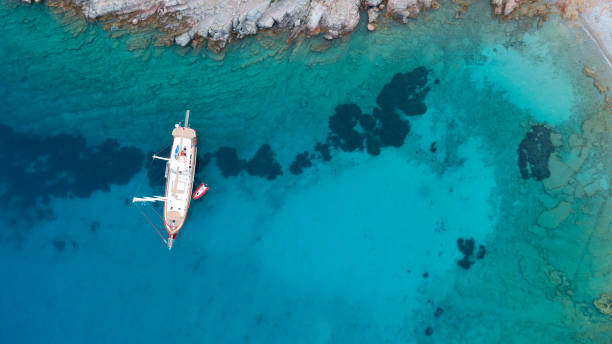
(179,180)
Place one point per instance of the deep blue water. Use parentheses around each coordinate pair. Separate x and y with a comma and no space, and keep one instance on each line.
(387,189)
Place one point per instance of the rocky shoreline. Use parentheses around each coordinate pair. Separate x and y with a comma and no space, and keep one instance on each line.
(222,21)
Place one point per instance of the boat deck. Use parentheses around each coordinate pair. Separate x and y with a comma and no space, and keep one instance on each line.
(179,182)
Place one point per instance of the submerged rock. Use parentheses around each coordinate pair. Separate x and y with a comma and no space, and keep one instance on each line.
(373,18)
(406,92)
(342,124)
(559,173)
(340,17)
(481,252)
(263,164)
(59,244)
(467,248)
(392,130)
(324,152)
(228,162)
(554,217)
(534,151)
(301,162)
(604,304)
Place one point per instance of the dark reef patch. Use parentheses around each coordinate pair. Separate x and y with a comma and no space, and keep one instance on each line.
(391,129)
(373,145)
(37,168)
(428,331)
(59,244)
(94,226)
(350,129)
(481,252)
(466,246)
(367,122)
(228,162)
(534,151)
(406,92)
(438,312)
(433,147)
(323,150)
(263,164)
(342,125)
(301,161)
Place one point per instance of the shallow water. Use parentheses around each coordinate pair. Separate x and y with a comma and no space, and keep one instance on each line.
(362,248)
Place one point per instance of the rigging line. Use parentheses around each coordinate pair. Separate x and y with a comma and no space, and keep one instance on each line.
(160,235)
(160,217)
(165,147)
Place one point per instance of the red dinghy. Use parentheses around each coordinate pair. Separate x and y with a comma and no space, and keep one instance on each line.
(200,191)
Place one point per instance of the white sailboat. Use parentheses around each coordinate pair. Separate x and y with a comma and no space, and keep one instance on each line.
(180,171)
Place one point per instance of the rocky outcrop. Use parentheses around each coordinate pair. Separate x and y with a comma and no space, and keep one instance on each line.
(554,217)
(340,17)
(504,7)
(220,21)
(288,14)
(403,10)
(604,304)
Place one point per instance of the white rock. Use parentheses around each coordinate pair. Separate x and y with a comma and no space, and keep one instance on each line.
(315,15)
(373,14)
(286,13)
(510,6)
(266,21)
(403,9)
(342,17)
(183,39)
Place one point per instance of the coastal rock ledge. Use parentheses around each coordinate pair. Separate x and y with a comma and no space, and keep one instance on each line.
(221,21)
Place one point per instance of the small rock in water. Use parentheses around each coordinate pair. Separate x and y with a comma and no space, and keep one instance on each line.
(481,252)
(183,39)
(438,312)
(467,248)
(604,304)
(94,226)
(428,331)
(59,244)
(433,147)
(320,47)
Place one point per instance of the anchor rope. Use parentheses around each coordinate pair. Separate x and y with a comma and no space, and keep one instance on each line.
(160,235)
(160,217)
(141,184)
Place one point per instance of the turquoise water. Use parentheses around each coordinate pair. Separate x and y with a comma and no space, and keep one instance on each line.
(362,248)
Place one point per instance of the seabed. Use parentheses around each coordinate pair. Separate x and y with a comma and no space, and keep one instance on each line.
(439,237)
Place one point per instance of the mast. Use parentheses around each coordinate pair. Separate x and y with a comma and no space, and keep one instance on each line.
(187,119)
